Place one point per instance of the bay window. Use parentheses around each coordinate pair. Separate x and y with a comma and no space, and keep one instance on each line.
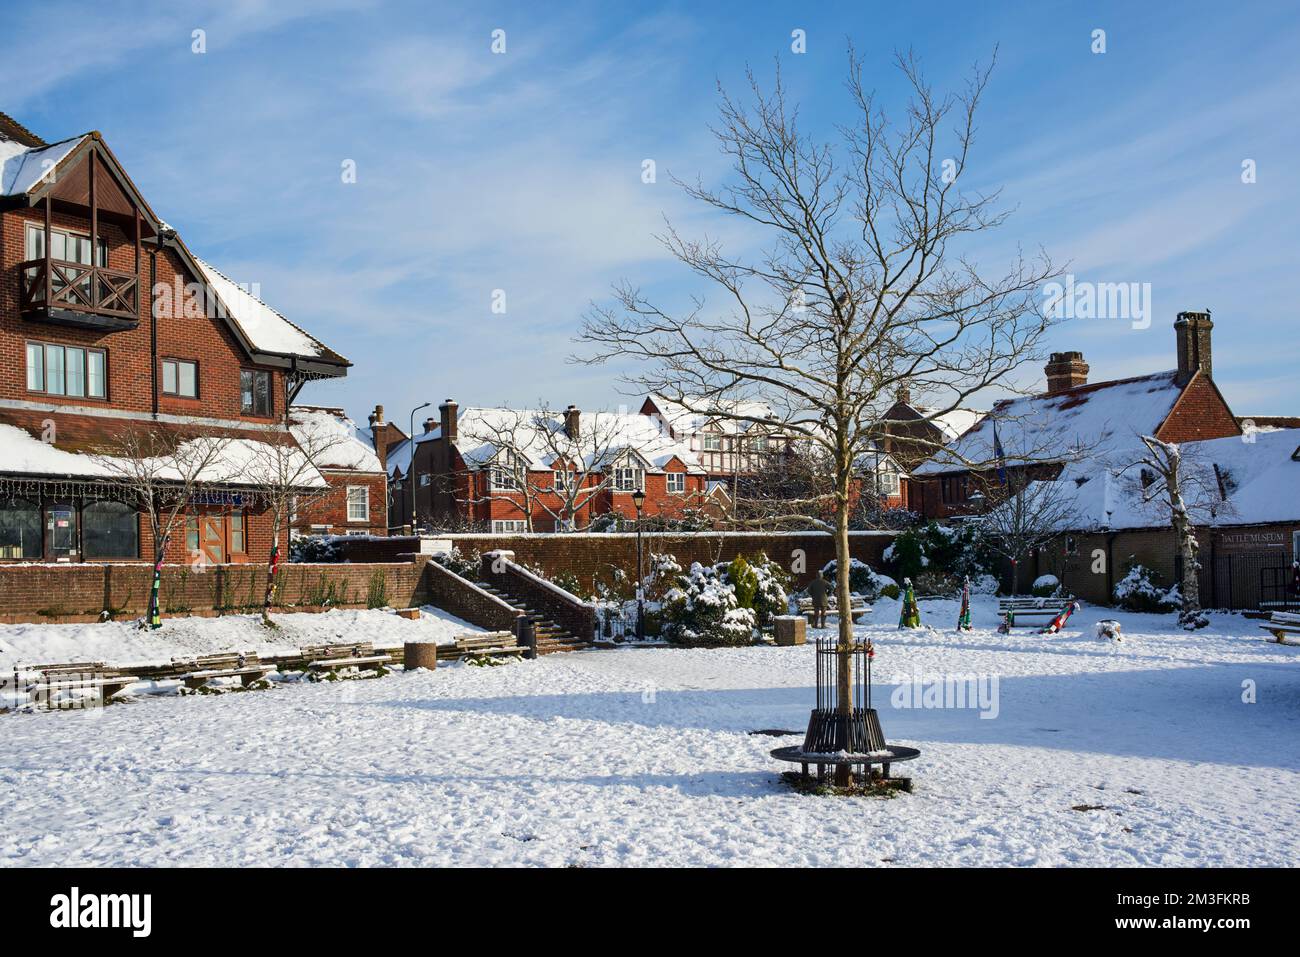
(629,479)
(20,529)
(110,530)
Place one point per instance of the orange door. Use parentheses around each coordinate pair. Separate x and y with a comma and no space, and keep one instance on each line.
(212,538)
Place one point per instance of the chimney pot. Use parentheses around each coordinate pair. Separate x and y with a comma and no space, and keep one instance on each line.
(429,423)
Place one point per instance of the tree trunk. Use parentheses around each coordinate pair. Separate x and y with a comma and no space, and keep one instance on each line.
(844,654)
(271,569)
(1190,616)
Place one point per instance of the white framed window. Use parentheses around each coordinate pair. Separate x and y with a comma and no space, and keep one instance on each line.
(565,525)
(67,246)
(676,482)
(629,479)
(180,377)
(887,481)
(712,443)
(507,525)
(358,503)
(758,443)
(66,370)
(561,481)
(504,480)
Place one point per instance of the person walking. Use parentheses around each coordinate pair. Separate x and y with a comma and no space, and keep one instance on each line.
(818,590)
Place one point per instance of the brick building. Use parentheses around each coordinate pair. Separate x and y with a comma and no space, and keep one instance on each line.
(1078,425)
(513,470)
(357,500)
(110,328)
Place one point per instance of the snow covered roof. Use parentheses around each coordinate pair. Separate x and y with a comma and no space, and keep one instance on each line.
(1243,480)
(24,167)
(685,422)
(952,424)
(332,439)
(540,437)
(1103,420)
(264,328)
(83,444)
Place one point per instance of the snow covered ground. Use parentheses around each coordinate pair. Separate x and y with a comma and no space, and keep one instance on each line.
(122,644)
(643,757)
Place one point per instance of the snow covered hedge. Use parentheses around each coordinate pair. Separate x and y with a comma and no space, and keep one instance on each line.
(724,604)
(863,579)
(1140,590)
(937,557)
(1045,586)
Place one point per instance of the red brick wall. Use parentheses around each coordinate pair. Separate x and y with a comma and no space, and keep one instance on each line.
(594,556)
(1199,413)
(332,508)
(204,340)
(82,592)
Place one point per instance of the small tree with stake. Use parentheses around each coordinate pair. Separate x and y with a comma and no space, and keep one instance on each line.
(860,287)
(1031,515)
(160,470)
(285,470)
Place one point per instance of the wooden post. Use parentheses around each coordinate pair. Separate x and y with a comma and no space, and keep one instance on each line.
(49,281)
(94,237)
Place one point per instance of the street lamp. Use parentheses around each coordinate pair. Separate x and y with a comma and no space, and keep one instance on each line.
(638,499)
(410,473)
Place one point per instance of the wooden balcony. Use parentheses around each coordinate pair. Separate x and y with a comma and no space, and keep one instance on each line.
(77,294)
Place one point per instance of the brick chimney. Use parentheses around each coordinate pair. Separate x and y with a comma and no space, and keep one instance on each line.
(572,422)
(447,420)
(430,424)
(904,394)
(1065,371)
(379,435)
(1193,330)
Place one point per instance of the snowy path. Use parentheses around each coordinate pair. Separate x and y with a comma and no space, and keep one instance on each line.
(642,756)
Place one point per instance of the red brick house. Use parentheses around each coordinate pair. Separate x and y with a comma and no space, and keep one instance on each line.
(357,503)
(109,324)
(1089,425)
(508,470)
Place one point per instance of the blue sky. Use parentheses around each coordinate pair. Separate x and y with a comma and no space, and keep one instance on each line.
(522,172)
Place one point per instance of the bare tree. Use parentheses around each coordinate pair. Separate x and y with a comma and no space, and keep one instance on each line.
(1030,516)
(582,460)
(284,467)
(863,285)
(512,434)
(160,470)
(1193,492)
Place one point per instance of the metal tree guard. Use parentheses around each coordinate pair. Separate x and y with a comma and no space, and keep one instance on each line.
(852,737)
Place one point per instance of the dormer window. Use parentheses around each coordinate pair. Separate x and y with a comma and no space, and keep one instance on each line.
(628,478)
(712,442)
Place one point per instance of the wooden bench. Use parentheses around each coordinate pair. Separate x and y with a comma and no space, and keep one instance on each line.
(490,643)
(857,607)
(1012,610)
(1283,624)
(232,664)
(330,658)
(47,680)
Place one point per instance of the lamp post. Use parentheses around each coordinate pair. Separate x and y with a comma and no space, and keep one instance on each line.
(638,499)
(411,472)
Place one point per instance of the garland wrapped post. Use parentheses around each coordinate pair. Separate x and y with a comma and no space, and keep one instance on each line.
(963,620)
(155,612)
(911,615)
(1059,621)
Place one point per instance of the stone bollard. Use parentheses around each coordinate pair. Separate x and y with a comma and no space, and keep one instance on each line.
(790,630)
(420,654)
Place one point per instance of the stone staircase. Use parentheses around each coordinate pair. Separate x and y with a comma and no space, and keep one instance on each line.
(551,637)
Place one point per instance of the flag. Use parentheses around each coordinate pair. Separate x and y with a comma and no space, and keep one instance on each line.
(1000,455)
